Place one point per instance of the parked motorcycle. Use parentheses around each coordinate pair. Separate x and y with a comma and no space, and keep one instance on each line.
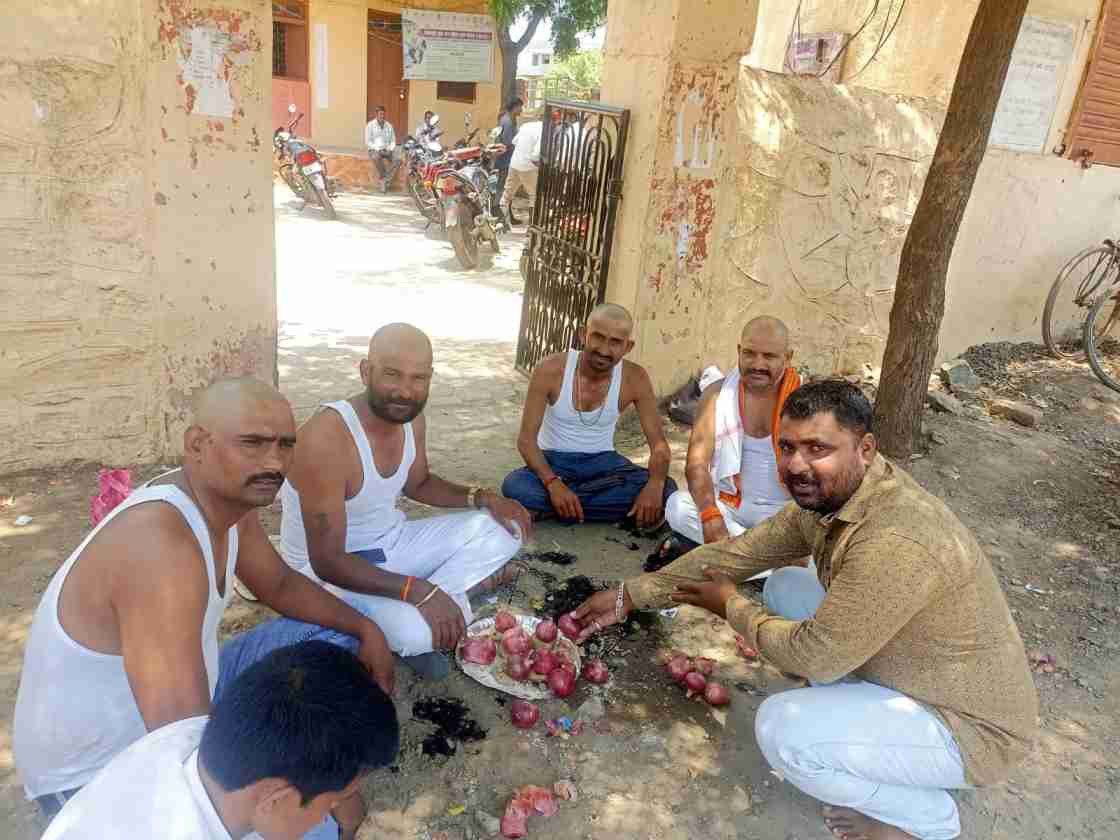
(305,174)
(470,202)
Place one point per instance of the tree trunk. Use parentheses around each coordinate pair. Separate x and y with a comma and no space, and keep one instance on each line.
(919,296)
(510,53)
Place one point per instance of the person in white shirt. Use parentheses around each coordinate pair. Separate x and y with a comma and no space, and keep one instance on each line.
(381,142)
(524,166)
(289,739)
(731,466)
(125,638)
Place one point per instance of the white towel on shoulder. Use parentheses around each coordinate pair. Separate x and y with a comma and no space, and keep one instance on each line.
(727,458)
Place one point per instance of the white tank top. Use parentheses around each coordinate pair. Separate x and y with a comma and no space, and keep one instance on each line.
(372,517)
(564,429)
(763,494)
(75,710)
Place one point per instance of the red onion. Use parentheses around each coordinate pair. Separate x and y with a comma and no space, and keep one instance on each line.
(525,714)
(503,621)
(705,666)
(678,667)
(544,662)
(568,626)
(479,651)
(562,682)
(716,694)
(546,631)
(595,671)
(514,819)
(563,663)
(517,667)
(695,681)
(516,641)
(539,798)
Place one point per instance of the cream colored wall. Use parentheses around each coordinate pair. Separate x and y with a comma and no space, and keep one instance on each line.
(135,239)
(343,121)
(1028,212)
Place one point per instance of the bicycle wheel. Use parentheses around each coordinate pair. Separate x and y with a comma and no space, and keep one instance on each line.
(1101,336)
(1072,293)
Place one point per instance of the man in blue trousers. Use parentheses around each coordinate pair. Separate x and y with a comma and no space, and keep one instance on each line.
(567,433)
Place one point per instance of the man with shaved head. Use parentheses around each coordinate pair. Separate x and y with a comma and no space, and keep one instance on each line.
(125,638)
(342,526)
(732,464)
(575,398)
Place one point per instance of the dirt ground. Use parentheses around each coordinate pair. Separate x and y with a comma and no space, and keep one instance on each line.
(1042,501)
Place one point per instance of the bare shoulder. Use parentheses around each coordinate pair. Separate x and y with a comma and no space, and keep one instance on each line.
(323,444)
(149,545)
(636,381)
(551,367)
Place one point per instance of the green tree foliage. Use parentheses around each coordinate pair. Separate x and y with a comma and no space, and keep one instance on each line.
(581,71)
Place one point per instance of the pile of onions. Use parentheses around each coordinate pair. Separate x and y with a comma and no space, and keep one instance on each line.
(524,714)
(504,621)
(479,651)
(546,631)
(562,682)
(544,662)
(516,642)
(693,674)
(518,667)
(568,626)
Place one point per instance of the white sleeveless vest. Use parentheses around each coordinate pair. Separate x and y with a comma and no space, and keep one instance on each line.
(75,710)
(564,429)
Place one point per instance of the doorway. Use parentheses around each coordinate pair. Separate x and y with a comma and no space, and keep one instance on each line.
(385,83)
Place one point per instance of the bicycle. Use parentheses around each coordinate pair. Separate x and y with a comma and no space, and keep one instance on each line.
(1094,276)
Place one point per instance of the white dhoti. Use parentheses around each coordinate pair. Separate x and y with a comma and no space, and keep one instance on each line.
(455,552)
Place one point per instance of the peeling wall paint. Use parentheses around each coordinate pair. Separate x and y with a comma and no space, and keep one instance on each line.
(132,248)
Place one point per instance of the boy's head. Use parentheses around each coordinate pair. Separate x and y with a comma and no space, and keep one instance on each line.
(298,730)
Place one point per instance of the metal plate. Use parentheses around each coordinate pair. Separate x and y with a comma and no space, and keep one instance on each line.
(494,675)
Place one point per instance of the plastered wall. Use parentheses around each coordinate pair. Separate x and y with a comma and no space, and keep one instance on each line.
(342,122)
(799,198)
(135,236)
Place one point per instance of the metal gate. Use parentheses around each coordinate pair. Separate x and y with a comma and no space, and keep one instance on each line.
(568,251)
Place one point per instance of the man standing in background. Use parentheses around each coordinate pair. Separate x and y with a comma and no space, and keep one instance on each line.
(507,125)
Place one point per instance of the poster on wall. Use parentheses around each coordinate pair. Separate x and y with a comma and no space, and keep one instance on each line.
(447,47)
(1034,83)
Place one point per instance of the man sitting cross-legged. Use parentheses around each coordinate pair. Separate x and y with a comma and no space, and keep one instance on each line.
(732,466)
(125,638)
(567,432)
(289,740)
(341,525)
(920,680)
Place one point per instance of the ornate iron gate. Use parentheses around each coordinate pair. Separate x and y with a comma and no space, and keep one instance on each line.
(568,251)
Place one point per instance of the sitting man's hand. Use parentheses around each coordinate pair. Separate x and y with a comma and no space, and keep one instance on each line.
(647,507)
(711,594)
(510,514)
(374,653)
(597,613)
(445,618)
(564,501)
(715,530)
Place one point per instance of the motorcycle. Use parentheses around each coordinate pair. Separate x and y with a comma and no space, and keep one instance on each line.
(470,202)
(305,174)
(428,162)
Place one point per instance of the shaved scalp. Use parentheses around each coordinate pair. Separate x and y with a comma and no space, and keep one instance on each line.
(613,312)
(227,398)
(768,326)
(399,337)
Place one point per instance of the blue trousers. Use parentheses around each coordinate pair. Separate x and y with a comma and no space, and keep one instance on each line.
(606,483)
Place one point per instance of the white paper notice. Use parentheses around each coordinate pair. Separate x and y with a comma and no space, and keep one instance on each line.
(1034,83)
(205,70)
(447,47)
(322,83)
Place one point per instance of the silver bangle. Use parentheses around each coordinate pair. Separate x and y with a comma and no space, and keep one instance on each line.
(618,602)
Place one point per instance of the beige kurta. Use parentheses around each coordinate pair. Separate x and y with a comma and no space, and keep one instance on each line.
(912,604)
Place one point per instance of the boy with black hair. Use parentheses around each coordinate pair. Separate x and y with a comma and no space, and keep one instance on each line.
(288,740)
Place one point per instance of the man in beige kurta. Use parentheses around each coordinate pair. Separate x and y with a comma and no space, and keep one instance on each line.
(919,679)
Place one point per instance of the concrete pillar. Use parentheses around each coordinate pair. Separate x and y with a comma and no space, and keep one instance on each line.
(136,227)
(674,63)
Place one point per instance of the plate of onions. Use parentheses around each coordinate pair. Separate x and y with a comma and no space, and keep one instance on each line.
(517,654)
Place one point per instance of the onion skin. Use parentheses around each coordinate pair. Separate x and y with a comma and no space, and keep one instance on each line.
(562,682)
(516,642)
(568,626)
(594,671)
(679,667)
(518,667)
(504,621)
(546,631)
(479,651)
(524,714)
(695,682)
(716,694)
(544,662)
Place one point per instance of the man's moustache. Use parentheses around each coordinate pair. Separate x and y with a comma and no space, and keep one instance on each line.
(274,477)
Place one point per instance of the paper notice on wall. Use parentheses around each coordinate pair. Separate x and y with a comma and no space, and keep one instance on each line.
(205,73)
(1034,83)
(322,82)
(447,47)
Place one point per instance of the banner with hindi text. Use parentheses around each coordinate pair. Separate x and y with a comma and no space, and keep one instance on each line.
(447,46)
